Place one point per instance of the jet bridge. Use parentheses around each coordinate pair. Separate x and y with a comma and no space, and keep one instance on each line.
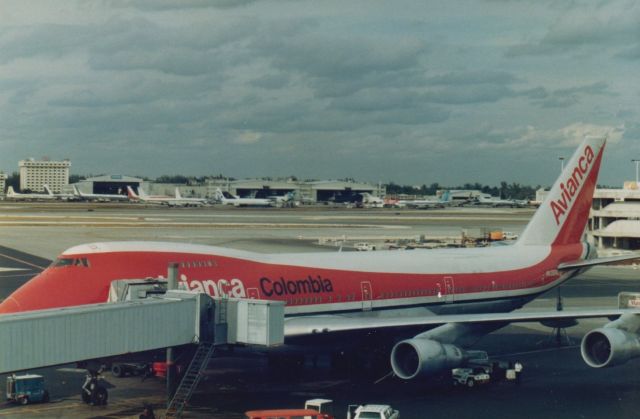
(44,338)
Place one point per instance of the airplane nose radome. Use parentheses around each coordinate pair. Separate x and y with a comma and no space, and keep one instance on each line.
(10,305)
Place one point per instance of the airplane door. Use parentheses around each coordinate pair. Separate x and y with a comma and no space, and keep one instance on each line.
(253,293)
(367,295)
(448,290)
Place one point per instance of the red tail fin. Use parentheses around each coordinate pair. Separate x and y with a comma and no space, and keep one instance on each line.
(562,217)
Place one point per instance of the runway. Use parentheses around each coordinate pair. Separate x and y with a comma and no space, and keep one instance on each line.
(556,381)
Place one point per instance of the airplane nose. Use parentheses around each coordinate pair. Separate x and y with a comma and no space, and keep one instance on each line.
(10,305)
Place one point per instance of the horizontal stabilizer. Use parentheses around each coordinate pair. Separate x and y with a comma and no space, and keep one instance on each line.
(595,262)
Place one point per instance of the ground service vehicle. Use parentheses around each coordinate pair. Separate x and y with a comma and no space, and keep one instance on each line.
(364,247)
(120,369)
(25,389)
(320,405)
(470,377)
(287,414)
(372,411)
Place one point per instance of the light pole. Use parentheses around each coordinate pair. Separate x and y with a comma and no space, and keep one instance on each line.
(561,164)
(636,161)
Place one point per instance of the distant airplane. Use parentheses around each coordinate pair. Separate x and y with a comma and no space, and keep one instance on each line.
(190,202)
(15,196)
(441,202)
(227,199)
(493,201)
(428,306)
(98,196)
(287,200)
(60,196)
(176,201)
(371,201)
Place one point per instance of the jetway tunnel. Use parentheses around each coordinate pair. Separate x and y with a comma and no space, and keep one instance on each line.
(44,338)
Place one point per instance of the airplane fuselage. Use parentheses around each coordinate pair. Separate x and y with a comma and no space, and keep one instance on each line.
(312,283)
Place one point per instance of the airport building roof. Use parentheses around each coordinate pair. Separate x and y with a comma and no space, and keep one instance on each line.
(114,178)
(261,184)
(339,184)
(629,209)
(620,228)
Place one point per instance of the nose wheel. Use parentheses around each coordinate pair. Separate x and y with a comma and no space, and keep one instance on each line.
(92,392)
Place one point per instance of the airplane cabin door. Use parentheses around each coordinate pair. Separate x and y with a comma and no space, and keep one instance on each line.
(367,295)
(448,291)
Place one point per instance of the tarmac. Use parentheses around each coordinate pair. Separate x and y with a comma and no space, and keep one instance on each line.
(556,382)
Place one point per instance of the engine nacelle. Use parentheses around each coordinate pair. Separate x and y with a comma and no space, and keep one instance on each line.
(609,346)
(413,357)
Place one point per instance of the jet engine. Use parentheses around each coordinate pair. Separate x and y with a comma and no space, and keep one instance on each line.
(613,344)
(413,357)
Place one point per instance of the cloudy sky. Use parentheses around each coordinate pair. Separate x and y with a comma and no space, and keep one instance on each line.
(406,91)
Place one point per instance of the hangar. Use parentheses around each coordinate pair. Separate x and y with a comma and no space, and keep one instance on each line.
(109,184)
(257,188)
(309,191)
(341,191)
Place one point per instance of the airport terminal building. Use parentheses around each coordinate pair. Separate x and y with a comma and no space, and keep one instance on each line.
(614,225)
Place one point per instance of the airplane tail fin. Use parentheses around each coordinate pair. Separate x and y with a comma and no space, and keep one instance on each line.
(10,191)
(178,194)
(446,197)
(131,194)
(47,190)
(563,216)
(219,195)
(76,191)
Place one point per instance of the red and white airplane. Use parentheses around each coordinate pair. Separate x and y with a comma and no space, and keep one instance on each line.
(454,296)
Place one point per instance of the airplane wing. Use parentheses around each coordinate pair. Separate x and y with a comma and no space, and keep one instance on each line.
(312,325)
(595,262)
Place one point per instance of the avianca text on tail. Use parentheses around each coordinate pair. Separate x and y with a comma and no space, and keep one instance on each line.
(561,206)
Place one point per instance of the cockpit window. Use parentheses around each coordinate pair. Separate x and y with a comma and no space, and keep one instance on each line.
(61,262)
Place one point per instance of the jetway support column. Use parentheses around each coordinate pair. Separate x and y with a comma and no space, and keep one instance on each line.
(172,284)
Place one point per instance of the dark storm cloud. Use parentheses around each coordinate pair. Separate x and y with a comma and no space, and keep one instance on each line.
(49,40)
(272,81)
(562,98)
(162,5)
(598,25)
(461,95)
(474,77)
(336,66)
(632,53)
(316,89)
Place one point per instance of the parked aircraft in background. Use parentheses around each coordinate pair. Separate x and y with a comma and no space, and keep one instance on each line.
(435,202)
(454,296)
(492,201)
(60,196)
(371,201)
(13,195)
(98,196)
(287,200)
(227,199)
(190,202)
(176,201)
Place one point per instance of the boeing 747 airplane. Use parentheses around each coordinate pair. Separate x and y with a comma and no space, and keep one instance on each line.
(451,296)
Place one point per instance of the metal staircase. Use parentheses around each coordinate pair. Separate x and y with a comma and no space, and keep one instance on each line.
(190,380)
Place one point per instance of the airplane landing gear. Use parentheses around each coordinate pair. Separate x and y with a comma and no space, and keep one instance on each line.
(92,392)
